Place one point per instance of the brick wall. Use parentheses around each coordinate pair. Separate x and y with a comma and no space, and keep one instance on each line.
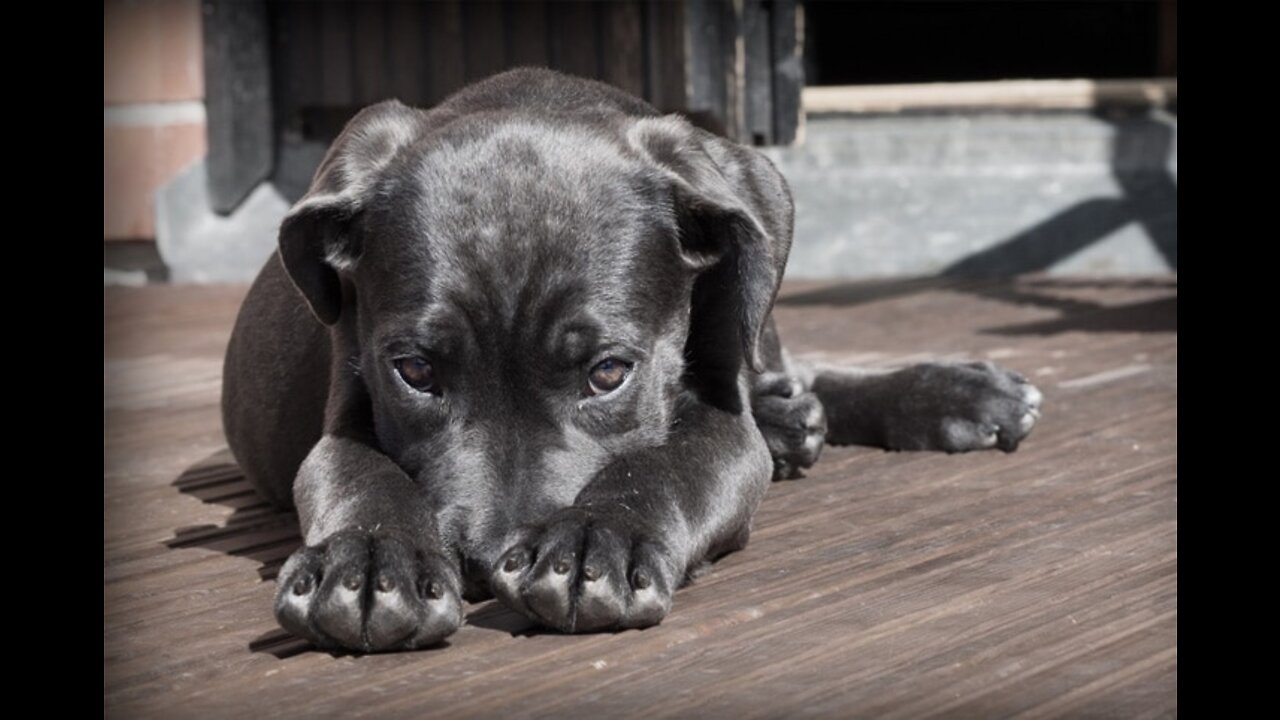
(153,109)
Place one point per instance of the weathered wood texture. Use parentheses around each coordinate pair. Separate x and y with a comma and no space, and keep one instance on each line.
(734,66)
(237,81)
(884,584)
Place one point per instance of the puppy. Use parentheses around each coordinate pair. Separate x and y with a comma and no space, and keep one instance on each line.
(520,345)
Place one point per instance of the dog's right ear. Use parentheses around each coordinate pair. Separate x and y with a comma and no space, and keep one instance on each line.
(320,235)
(734,214)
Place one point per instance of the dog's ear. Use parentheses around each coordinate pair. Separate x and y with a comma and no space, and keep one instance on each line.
(734,215)
(320,235)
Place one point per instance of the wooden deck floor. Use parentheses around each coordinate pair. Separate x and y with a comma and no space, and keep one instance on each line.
(884,584)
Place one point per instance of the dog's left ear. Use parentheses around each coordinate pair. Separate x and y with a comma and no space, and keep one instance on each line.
(734,214)
(320,235)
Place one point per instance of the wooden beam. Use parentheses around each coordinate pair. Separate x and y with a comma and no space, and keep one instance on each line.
(787,18)
(997,95)
(237,100)
(757,78)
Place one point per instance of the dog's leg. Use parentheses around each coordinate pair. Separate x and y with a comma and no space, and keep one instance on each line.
(371,576)
(615,557)
(953,407)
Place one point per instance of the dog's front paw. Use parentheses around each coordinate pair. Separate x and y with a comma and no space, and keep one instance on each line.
(587,571)
(957,407)
(792,421)
(368,591)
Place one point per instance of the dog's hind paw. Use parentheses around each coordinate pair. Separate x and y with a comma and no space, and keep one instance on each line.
(958,407)
(370,592)
(584,572)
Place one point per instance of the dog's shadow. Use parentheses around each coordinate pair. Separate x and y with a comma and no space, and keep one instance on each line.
(257,530)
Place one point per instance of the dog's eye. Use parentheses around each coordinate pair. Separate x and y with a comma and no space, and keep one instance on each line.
(417,373)
(607,375)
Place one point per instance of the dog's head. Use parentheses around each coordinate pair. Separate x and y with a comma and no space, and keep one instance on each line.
(522,300)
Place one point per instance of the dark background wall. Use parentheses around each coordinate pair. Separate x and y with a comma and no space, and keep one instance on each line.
(264,85)
(929,41)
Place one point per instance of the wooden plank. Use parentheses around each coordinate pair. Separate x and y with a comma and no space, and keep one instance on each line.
(757,78)
(996,95)
(295,84)
(370,54)
(407,55)
(526,33)
(1042,582)
(484,43)
(734,57)
(337,88)
(788,70)
(709,63)
(622,45)
(666,72)
(575,39)
(444,43)
(238,102)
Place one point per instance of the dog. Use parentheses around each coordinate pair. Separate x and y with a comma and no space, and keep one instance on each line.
(521,345)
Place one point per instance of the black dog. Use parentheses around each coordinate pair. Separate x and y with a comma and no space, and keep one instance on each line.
(521,344)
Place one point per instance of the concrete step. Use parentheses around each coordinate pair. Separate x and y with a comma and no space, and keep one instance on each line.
(981,193)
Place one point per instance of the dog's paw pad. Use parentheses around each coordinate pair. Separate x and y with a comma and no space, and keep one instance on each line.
(584,572)
(368,592)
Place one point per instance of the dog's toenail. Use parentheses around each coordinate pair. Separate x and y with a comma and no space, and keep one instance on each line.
(513,563)
(386,583)
(642,580)
(561,566)
(302,587)
(591,572)
(353,583)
